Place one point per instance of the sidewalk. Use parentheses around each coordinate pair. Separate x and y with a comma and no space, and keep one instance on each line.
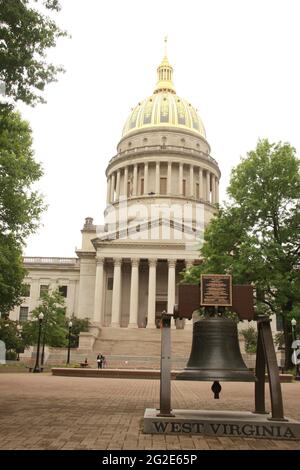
(39,411)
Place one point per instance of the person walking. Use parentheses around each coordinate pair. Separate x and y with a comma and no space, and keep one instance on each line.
(100,361)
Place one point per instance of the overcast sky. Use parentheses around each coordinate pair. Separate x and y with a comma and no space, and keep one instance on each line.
(236,61)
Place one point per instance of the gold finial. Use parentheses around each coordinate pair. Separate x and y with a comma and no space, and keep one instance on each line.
(165,73)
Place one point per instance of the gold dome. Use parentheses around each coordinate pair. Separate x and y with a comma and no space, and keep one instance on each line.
(164,108)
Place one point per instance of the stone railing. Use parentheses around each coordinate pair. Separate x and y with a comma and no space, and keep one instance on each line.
(50,260)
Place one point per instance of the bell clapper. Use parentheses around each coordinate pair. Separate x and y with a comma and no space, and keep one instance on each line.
(216,389)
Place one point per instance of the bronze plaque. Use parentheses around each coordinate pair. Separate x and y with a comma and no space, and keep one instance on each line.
(216,290)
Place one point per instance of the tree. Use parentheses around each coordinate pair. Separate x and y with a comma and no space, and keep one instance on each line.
(256,236)
(78,325)
(20,205)
(54,327)
(25,36)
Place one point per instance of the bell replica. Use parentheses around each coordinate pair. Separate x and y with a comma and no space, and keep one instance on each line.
(216,354)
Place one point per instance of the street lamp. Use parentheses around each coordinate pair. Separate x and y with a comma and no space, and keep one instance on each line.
(294,335)
(69,343)
(37,365)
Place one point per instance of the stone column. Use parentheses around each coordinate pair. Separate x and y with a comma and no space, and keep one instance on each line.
(180,179)
(146,178)
(125,182)
(217,190)
(112,188)
(191,180)
(116,295)
(118,185)
(98,300)
(135,174)
(169,178)
(152,293)
(188,324)
(201,192)
(157,178)
(108,191)
(207,186)
(134,294)
(171,284)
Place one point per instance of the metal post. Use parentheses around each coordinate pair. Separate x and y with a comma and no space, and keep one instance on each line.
(69,341)
(165,366)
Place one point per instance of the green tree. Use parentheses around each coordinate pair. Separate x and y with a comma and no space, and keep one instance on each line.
(20,205)
(78,325)
(256,236)
(54,327)
(26,34)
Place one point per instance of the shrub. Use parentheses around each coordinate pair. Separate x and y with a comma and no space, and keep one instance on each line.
(250,337)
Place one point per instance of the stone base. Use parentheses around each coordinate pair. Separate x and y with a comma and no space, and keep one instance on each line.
(220,423)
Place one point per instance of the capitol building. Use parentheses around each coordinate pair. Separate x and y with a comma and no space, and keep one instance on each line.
(162,188)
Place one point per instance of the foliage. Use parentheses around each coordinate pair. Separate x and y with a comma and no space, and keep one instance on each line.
(11,335)
(256,236)
(250,337)
(26,34)
(78,325)
(20,205)
(54,328)
(279,340)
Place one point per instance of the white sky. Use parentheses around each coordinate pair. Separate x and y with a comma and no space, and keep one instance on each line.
(236,61)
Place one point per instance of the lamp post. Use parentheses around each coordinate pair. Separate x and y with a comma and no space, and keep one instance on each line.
(294,335)
(37,365)
(69,343)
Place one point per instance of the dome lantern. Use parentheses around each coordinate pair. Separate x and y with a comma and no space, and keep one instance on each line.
(165,75)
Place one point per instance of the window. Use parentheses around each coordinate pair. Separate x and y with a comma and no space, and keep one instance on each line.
(163,185)
(23,314)
(44,289)
(26,288)
(184,187)
(128,189)
(197,191)
(142,186)
(63,290)
(110,282)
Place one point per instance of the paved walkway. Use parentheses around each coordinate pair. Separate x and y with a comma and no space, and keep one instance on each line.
(44,412)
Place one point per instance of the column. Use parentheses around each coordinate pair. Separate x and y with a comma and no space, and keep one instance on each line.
(207,186)
(118,185)
(217,190)
(188,324)
(116,295)
(152,294)
(98,300)
(191,180)
(135,173)
(146,178)
(157,178)
(125,182)
(171,285)
(112,188)
(108,191)
(201,192)
(180,178)
(134,294)
(169,178)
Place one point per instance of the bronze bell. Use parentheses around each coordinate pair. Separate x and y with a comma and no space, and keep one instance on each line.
(215,353)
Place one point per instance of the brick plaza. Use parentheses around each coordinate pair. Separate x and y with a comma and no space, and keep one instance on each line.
(39,411)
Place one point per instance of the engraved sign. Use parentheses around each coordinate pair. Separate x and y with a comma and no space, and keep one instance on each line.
(216,289)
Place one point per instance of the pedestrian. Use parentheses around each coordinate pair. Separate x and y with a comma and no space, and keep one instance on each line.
(100,361)
(104,362)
